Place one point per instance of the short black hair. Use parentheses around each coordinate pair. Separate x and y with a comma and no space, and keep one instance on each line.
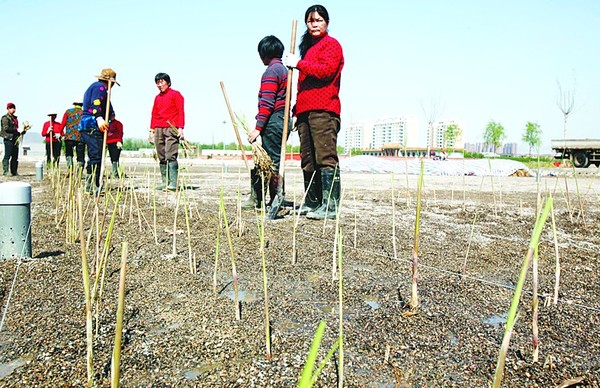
(164,76)
(270,47)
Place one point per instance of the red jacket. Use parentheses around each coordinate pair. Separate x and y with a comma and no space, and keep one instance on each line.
(115,132)
(168,106)
(58,128)
(319,79)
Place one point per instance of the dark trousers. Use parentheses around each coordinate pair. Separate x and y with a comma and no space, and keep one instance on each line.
(318,132)
(11,154)
(114,152)
(94,141)
(79,147)
(271,137)
(56,146)
(167,145)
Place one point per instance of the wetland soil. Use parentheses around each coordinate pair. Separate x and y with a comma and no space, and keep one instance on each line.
(179,330)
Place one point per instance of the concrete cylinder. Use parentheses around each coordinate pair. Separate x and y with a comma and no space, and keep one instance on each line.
(39,171)
(15,219)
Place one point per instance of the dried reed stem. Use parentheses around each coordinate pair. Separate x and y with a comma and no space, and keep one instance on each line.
(116,356)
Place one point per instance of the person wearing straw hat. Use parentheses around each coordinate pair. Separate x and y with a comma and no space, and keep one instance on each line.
(94,124)
(317,113)
(168,109)
(10,132)
(72,137)
(52,132)
(269,119)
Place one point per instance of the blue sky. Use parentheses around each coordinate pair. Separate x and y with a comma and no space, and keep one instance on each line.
(481,60)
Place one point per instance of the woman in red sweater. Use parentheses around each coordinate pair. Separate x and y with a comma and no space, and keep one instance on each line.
(114,143)
(318,113)
(52,131)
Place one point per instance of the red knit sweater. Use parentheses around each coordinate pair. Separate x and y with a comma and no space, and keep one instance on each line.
(168,106)
(319,79)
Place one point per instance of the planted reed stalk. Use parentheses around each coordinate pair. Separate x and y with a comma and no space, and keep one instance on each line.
(341,309)
(579,200)
(261,236)
(88,297)
(534,306)
(557,257)
(414,295)
(189,233)
(464,267)
(334,266)
(175,223)
(233,267)
(394,247)
(217,246)
(493,191)
(326,359)
(297,221)
(355,217)
(512,313)
(306,380)
(116,356)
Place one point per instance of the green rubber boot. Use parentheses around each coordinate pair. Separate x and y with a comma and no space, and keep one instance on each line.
(330,181)
(163,175)
(173,168)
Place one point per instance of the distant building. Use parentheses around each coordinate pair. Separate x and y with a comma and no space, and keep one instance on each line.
(402,130)
(509,149)
(356,137)
(436,136)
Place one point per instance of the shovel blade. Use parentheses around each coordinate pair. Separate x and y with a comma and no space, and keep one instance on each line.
(275,206)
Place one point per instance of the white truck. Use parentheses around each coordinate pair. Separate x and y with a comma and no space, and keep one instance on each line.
(582,152)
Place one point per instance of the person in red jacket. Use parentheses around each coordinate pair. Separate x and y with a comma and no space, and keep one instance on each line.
(168,109)
(114,142)
(317,113)
(53,133)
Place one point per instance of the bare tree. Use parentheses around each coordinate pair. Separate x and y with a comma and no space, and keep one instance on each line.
(565,100)
(431,113)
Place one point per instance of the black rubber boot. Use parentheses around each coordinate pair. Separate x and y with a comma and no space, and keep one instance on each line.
(163,176)
(252,201)
(4,167)
(314,194)
(173,168)
(330,181)
(115,169)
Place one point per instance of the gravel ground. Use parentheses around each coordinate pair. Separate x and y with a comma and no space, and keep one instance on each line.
(179,330)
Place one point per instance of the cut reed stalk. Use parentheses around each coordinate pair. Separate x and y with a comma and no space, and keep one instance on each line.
(217,246)
(355,218)
(297,221)
(116,357)
(579,200)
(512,313)
(189,233)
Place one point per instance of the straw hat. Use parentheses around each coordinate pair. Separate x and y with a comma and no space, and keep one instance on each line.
(51,113)
(108,75)
(77,101)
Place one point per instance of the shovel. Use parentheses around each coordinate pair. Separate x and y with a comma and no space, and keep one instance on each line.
(278,200)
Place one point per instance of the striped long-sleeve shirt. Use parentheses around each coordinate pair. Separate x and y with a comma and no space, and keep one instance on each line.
(271,96)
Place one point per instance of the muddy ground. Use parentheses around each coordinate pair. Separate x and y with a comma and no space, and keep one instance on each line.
(179,332)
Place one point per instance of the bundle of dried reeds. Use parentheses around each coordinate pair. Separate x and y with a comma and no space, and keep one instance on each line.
(184,143)
(262,160)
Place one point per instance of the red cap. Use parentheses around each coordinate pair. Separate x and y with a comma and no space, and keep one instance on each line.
(10,105)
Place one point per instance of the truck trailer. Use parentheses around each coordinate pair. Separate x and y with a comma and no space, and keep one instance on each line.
(582,152)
